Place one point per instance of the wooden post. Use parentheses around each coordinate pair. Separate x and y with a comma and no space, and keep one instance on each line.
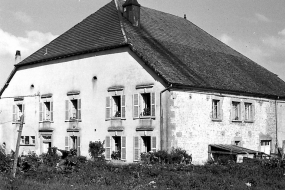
(18,146)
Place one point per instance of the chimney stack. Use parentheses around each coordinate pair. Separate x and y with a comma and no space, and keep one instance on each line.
(18,57)
(132,12)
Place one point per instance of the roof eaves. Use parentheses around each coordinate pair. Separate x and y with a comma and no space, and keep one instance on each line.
(183,86)
(73,54)
(8,81)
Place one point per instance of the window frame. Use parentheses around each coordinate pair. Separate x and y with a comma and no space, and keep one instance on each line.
(43,110)
(110,105)
(70,105)
(251,119)
(138,105)
(239,102)
(30,140)
(16,116)
(219,108)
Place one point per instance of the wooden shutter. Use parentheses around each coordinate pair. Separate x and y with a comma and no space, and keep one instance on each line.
(40,111)
(123,148)
(136,105)
(108,148)
(14,113)
(153,104)
(51,111)
(136,148)
(153,144)
(78,146)
(66,143)
(67,110)
(108,107)
(123,106)
(78,108)
(23,112)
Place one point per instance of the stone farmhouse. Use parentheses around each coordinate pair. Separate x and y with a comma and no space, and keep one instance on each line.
(141,80)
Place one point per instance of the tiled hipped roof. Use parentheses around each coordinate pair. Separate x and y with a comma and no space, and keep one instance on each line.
(179,51)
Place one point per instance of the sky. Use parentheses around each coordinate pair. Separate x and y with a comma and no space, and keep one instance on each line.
(255,28)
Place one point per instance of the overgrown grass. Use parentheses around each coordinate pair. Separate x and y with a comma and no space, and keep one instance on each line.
(101,175)
(157,171)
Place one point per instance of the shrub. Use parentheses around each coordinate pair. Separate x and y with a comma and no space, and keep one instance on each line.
(96,149)
(116,155)
(5,162)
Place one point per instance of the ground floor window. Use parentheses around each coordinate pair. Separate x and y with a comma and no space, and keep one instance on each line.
(143,144)
(265,146)
(115,148)
(28,140)
(73,143)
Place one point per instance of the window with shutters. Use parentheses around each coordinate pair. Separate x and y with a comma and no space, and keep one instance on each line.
(116,107)
(144,105)
(73,142)
(115,148)
(144,144)
(46,111)
(73,109)
(18,110)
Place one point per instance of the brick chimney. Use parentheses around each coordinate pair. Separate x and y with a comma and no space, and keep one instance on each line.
(18,57)
(132,12)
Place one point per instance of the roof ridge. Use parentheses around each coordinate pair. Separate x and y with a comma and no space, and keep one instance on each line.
(120,19)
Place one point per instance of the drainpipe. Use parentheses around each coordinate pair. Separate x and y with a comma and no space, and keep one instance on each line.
(276,122)
(161,116)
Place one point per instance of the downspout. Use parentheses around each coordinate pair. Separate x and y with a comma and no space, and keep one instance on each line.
(161,114)
(276,123)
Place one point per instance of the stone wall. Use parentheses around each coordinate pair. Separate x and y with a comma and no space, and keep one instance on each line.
(191,125)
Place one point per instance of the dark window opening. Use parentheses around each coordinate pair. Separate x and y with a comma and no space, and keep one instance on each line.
(146,105)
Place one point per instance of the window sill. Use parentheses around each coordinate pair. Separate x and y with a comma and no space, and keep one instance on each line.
(46,121)
(249,121)
(217,120)
(17,123)
(145,117)
(115,118)
(27,145)
(237,121)
(74,120)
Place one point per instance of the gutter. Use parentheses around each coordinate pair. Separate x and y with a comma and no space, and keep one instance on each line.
(276,123)
(161,114)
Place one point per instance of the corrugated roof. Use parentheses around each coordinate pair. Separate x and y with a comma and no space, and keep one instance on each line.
(179,51)
(233,149)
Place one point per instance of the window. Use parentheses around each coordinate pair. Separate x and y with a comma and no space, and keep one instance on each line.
(18,111)
(144,105)
(46,111)
(265,146)
(115,107)
(238,143)
(143,144)
(28,140)
(248,111)
(236,115)
(73,109)
(216,110)
(115,145)
(73,142)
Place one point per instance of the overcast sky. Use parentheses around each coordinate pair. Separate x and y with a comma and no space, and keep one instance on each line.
(255,28)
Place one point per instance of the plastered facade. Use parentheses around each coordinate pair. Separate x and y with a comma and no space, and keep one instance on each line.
(118,67)
(191,125)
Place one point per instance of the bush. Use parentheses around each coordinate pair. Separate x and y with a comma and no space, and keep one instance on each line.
(96,149)
(116,155)
(5,162)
